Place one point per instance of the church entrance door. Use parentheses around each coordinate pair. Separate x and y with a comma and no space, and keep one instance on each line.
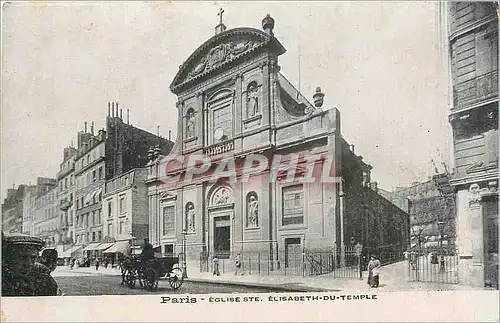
(293,252)
(222,237)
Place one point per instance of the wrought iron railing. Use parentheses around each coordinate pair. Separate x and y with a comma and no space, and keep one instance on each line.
(319,263)
(433,267)
(304,262)
(481,88)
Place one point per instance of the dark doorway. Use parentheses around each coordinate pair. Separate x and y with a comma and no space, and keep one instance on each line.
(293,252)
(169,249)
(222,237)
(490,218)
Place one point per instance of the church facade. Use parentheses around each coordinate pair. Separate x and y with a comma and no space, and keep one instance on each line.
(255,167)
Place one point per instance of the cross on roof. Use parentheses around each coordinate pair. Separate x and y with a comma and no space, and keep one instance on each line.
(221,11)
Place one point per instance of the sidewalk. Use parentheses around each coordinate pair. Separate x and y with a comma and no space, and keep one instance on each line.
(393,278)
(62,271)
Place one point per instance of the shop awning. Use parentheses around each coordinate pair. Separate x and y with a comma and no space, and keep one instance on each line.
(68,253)
(104,246)
(92,246)
(119,246)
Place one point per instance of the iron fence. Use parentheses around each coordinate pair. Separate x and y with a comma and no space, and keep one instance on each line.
(433,267)
(337,264)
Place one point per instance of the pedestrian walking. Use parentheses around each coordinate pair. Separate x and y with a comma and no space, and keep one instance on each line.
(237,264)
(97,264)
(373,271)
(216,270)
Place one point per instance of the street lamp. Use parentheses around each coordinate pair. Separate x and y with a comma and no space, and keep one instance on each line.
(184,260)
(441,229)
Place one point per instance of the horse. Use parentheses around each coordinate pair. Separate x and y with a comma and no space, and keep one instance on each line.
(126,264)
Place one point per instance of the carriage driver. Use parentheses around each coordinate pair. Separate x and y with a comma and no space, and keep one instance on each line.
(147,252)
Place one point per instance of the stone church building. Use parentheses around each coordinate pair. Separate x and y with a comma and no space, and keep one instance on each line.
(233,103)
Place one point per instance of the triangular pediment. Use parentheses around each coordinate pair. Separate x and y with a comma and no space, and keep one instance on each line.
(168,196)
(220,51)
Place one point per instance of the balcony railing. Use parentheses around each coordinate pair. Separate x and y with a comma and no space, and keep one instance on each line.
(476,90)
(219,148)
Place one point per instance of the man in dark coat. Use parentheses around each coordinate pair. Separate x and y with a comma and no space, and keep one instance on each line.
(147,252)
(19,253)
(45,283)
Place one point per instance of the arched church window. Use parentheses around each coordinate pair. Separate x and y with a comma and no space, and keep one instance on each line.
(252,99)
(190,123)
(190,217)
(252,218)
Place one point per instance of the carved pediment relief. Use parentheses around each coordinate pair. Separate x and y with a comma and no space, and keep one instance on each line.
(222,49)
(220,54)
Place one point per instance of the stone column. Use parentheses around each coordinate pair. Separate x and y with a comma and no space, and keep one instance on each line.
(238,105)
(470,237)
(265,97)
(200,127)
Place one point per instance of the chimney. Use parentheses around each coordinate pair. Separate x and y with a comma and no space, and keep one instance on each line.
(157,151)
(128,115)
(85,126)
(116,105)
(113,109)
(150,153)
(92,128)
(170,135)
(352,148)
(121,113)
(102,134)
(109,109)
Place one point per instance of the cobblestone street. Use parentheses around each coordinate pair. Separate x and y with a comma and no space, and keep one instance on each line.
(86,283)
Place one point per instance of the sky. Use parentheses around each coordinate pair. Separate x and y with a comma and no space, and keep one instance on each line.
(379,63)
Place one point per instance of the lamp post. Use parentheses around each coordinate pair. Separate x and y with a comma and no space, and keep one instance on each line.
(184,260)
(441,229)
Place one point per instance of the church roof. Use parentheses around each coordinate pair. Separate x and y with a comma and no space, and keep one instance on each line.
(294,94)
(220,51)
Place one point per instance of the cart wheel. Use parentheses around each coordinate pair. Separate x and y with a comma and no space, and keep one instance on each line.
(175,278)
(150,279)
(130,278)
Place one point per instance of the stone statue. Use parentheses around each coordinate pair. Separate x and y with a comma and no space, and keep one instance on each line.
(190,218)
(253,211)
(190,125)
(252,100)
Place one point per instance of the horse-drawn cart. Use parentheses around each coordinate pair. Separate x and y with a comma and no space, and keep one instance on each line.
(149,272)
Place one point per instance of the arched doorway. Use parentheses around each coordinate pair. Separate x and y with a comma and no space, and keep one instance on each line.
(220,218)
